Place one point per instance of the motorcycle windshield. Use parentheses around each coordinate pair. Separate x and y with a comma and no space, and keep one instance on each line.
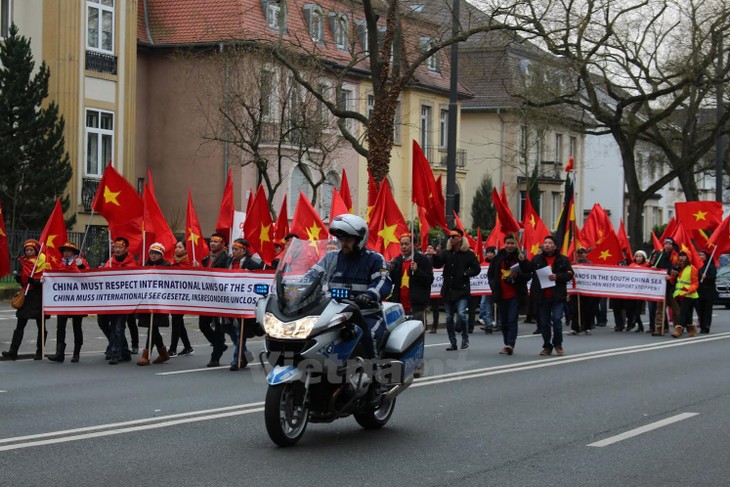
(300,278)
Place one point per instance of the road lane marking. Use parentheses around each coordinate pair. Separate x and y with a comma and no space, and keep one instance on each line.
(135,422)
(643,429)
(205,415)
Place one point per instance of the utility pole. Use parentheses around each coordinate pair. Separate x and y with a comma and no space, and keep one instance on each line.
(453,107)
(719,112)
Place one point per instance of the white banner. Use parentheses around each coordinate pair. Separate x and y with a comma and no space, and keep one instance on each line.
(620,282)
(218,292)
(479,284)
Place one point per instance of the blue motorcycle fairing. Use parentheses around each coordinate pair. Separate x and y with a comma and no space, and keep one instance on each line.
(284,373)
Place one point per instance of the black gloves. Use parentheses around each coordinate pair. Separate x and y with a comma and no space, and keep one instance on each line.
(363,299)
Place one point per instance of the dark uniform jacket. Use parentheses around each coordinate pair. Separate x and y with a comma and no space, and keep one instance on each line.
(419,283)
(459,265)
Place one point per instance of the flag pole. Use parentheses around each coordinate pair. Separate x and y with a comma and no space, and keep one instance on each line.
(240,342)
(88,225)
(704,274)
(149,340)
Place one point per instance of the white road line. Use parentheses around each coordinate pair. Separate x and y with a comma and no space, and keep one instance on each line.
(190,417)
(134,422)
(3,391)
(643,429)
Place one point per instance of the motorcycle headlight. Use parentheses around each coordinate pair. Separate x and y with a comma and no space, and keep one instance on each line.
(276,328)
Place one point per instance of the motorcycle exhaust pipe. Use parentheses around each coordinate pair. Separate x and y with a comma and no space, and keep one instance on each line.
(391,393)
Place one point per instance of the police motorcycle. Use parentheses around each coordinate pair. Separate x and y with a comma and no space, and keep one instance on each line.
(319,371)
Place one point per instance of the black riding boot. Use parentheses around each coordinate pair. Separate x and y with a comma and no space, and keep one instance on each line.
(60,355)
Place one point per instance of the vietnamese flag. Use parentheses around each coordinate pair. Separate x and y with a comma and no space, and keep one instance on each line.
(224,224)
(306,222)
(681,238)
(53,236)
(719,242)
(669,230)
(195,244)
(4,247)
(345,192)
(156,228)
(423,221)
(694,215)
(258,227)
(422,181)
(386,225)
(337,206)
(118,202)
(596,227)
(460,226)
(608,252)
(496,236)
(655,242)
(535,231)
(479,250)
(623,239)
(506,219)
(372,194)
(281,229)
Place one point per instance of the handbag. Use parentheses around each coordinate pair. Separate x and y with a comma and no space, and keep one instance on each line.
(18,300)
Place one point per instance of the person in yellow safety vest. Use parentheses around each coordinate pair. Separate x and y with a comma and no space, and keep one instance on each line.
(685,278)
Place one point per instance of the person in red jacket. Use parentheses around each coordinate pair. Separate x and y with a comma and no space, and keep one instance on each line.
(118,349)
(71,261)
(179,332)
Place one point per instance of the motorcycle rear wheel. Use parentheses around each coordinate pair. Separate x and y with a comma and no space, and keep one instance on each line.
(376,417)
(285,414)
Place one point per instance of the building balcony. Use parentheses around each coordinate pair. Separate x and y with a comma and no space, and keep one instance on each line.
(100,62)
(437,156)
(88,191)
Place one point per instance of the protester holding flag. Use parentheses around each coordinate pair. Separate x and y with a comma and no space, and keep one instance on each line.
(412,275)
(71,261)
(179,332)
(460,264)
(707,292)
(118,350)
(509,288)
(241,259)
(156,321)
(217,259)
(32,266)
(551,298)
(664,259)
(686,280)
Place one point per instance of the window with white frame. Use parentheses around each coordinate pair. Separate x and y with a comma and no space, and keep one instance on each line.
(269,105)
(425,127)
(444,128)
(573,147)
(299,183)
(345,100)
(556,208)
(339,29)
(99,141)
(432,62)
(559,148)
(4,18)
(315,21)
(100,25)
(273,14)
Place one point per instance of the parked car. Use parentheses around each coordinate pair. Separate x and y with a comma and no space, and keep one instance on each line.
(722,284)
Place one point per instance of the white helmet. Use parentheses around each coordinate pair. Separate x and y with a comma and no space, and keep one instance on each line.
(347,225)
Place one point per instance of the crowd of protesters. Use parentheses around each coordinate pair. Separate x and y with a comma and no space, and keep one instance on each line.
(689,291)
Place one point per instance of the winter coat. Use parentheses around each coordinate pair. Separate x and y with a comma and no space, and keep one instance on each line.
(561,268)
(494,274)
(459,266)
(419,283)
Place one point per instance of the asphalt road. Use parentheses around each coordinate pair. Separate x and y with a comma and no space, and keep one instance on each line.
(618,409)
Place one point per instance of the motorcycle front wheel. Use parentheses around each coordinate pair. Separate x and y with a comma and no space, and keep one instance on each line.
(376,417)
(285,414)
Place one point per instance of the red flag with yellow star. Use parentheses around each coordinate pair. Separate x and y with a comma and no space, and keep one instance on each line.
(506,219)
(118,202)
(699,214)
(258,227)
(224,224)
(338,205)
(623,239)
(668,230)
(53,236)
(306,222)
(281,228)
(155,225)
(386,224)
(479,249)
(608,252)
(195,244)
(596,227)
(423,221)
(682,239)
(345,193)
(4,247)
(720,238)
(535,230)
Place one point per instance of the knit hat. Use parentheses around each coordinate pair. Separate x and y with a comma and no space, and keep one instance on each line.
(641,253)
(157,247)
(31,242)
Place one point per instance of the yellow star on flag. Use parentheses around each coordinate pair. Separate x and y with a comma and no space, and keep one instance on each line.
(264,233)
(388,234)
(533,224)
(110,196)
(193,237)
(49,241)
(313,232)
(700,215)
(685,248)
(605,254)
(535,248)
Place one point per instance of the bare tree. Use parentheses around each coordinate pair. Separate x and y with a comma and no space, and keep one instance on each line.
(253,105)
(626,78)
